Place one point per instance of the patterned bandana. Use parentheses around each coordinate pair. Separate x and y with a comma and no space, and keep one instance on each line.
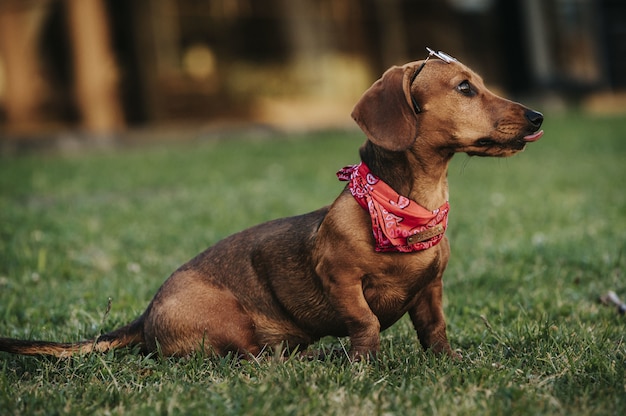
(398,224)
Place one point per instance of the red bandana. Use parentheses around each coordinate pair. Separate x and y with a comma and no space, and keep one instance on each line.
(398,223)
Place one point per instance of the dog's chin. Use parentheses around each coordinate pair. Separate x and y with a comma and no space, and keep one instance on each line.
(491,147)
(497,148)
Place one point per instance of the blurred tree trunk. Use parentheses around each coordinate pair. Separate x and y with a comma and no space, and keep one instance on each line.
(393,33)
(308,40)
(96,73)
(20,26)
(306,36)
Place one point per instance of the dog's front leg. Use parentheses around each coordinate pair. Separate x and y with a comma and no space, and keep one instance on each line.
(363,326)
(428,319)
(345,293)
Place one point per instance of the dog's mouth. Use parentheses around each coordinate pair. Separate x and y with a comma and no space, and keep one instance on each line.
(488,146)
(533,137)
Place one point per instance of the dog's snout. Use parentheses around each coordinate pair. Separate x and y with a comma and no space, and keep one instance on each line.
(535,118)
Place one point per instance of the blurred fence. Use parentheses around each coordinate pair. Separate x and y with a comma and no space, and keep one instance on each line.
(102,65)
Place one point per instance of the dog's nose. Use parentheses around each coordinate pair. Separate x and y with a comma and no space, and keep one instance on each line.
(534,117)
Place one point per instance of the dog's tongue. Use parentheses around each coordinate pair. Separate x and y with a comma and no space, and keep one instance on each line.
(533,137)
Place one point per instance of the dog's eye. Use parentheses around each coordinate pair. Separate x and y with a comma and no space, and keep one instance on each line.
(465,88)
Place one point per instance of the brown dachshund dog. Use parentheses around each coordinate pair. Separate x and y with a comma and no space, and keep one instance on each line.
(348,269)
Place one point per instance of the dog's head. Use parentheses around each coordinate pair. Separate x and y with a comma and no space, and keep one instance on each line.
(447,104)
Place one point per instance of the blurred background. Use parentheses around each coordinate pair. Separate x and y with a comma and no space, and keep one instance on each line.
(103,67)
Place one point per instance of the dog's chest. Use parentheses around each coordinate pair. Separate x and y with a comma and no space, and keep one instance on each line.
(390,292)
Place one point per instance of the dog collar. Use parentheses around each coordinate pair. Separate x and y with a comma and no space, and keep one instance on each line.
(398,223)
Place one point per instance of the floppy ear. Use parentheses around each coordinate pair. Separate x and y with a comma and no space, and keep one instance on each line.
(385,111)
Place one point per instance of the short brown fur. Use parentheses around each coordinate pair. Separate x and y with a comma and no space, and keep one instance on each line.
(294,280)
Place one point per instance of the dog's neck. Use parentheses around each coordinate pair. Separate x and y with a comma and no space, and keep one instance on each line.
(416,173)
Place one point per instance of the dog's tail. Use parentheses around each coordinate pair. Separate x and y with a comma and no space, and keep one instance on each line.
(129,335)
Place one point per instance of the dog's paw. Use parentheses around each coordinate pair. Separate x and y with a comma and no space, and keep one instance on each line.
(357,355)
(456,354)
(321,354)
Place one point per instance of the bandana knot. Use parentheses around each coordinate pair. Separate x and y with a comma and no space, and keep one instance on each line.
(398,223)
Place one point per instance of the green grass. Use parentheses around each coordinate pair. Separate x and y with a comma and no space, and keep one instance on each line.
(535,240)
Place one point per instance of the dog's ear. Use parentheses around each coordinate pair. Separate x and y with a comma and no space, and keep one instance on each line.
(385,112)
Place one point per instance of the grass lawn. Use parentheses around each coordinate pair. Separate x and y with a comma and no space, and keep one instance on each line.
(536,239)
